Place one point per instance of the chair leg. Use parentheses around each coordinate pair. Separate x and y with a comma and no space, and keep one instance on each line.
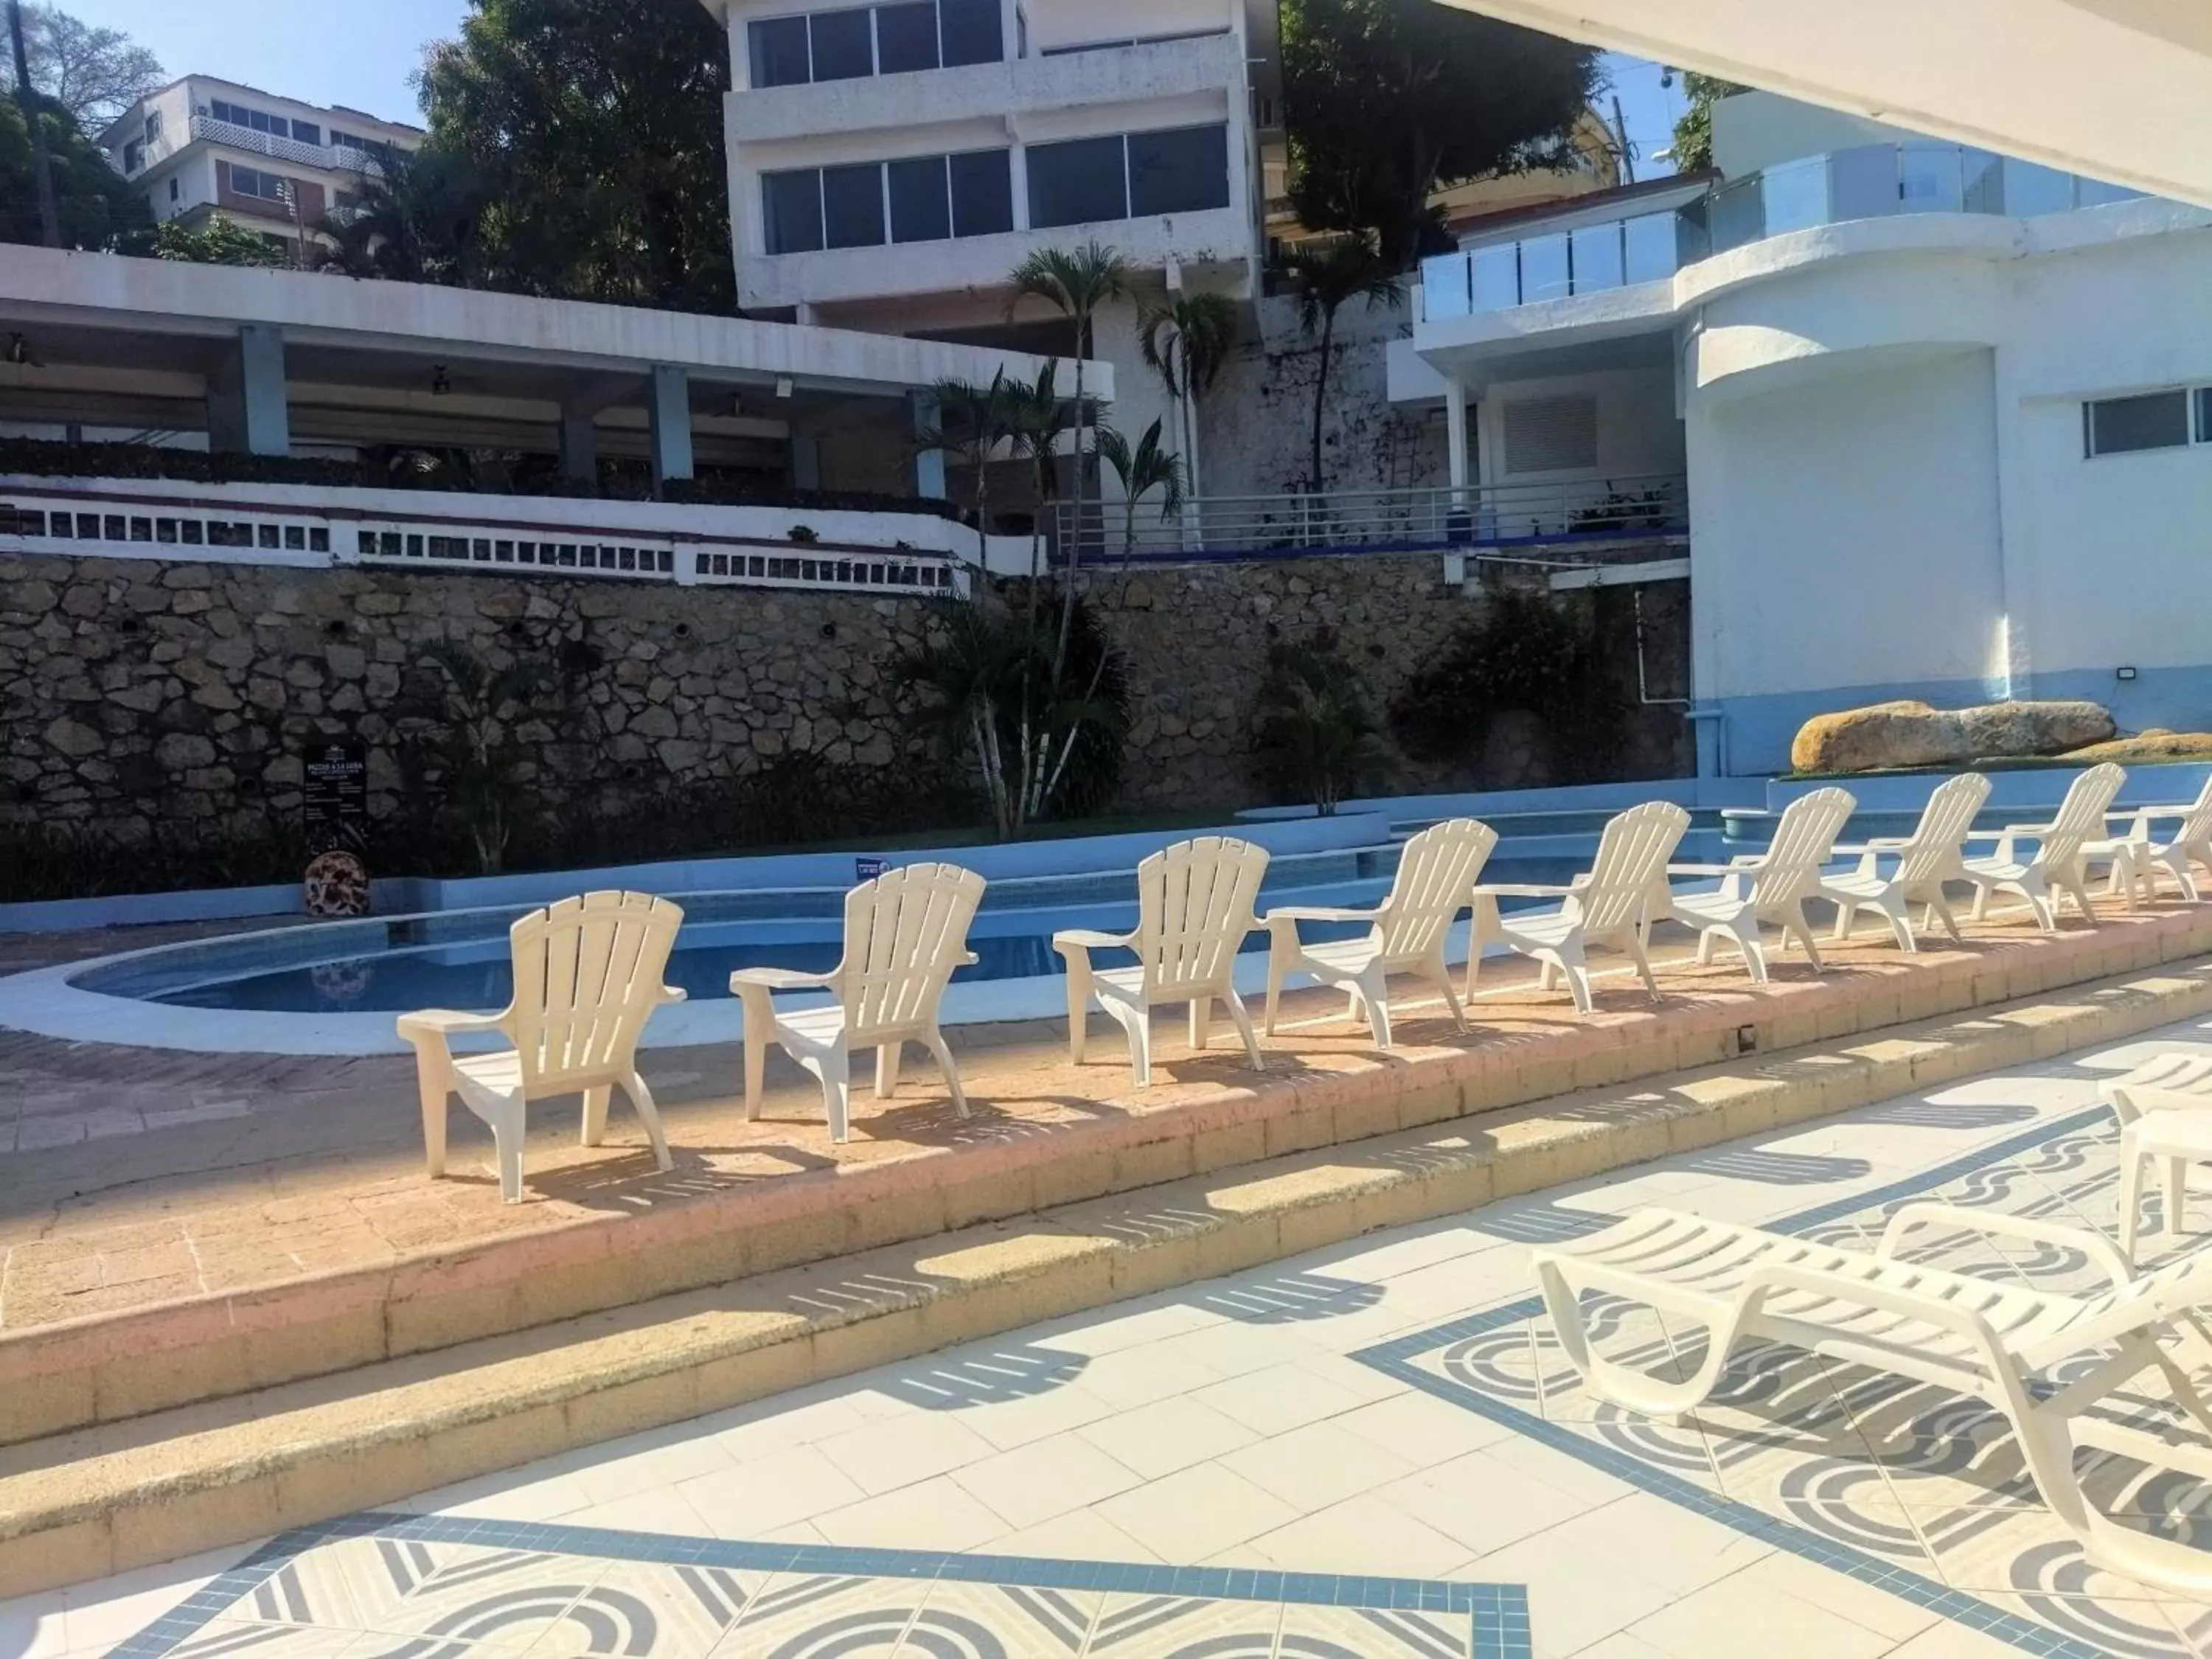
(507,1125)
(1443,977)
(1941,907)
(1274,987)
(887,1068)
(1575,971)
(1078,1007)
(1707,939)
(1803,929)
(649,1115)
(1643,960)
(936,1045)
(1374,992)
(2131,1171)
(1201,1016)
(1744,937)
(834,1068)
(595,1114)
(1137,1022)
(760,1024)
(1898,914)
(431,1084)
(2175,1191)
(1242,1021)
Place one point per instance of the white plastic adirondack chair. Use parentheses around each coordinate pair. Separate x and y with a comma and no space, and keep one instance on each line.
(2056,866)
(1435,882)
(2136,858)
(2040,1357)
(1933,854)
(1610,906)
(587,978)
(1193,909)
(905,932)
(1768,887)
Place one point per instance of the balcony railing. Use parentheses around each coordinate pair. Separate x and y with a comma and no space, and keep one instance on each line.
(335,158)
(1871,182)
(1634,507)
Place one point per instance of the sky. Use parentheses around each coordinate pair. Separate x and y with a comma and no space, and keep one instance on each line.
(364,53)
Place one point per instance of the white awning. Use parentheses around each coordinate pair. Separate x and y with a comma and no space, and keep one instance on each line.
(2117,89)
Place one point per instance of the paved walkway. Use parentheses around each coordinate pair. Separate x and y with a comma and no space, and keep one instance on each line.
(1367,1452)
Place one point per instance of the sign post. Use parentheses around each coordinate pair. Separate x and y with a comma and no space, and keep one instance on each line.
(334,820)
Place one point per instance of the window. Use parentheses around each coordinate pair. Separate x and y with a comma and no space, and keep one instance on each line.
(1078,181)
(1181,170)
(843,43)
(970,31)
(240,115)
(919,198)
(2118,426)
(921,205)
(306,132)
(983,192)
(173,188)
(779,52)
(134,156)
(267,187)
(906,38)
(152,124)
(853,206)
(791,207)
(367,147)
(1550,434)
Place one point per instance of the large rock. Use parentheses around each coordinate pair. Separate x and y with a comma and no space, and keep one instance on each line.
(1898,736)
(2147,748)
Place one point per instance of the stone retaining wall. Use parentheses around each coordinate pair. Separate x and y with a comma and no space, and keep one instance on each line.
(139,694)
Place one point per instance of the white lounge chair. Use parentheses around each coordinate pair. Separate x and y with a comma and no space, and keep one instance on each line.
(587,978)
(2056,866)
(1193,910)
(1435,882)
(2164,1082)
(905,933)
(2040,1357)
(1611,905)
(1770,887)
(1934,853)
(2174,1139)
(2136,858)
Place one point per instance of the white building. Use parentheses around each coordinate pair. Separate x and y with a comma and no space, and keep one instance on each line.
(201,146)
(1943,418)
(889,165)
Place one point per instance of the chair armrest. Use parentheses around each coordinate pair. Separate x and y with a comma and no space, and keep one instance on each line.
(2009,831)
(968,959)
(1882,1298)
(1710,869)
(1991,1223)
(673,993)
(1526,890)
(440,1023)
(779,978)
(1089,938)
(1317,913)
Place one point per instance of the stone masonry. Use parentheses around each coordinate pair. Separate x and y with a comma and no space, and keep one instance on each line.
(137,693)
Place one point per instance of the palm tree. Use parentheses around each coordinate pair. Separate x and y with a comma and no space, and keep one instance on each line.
(972,422)
(1186,342)
(411,219)
(1140,470)
(1327,275)
(1077,284)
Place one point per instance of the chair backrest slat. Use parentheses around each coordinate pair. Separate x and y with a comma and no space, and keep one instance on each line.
(2080,816)
(2197,826)
(905,933)
(587,975)
(1193,909)
(1631,863)
(1436,879)
(1804,842)
(1939,840)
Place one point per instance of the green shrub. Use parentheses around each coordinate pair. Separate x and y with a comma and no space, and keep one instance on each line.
(1317,737)
(1530,653)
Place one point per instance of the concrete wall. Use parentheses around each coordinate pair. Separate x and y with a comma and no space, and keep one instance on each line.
(1637,431)
(1845,544)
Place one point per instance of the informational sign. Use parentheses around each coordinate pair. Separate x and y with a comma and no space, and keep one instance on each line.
(334,807)
(867,869)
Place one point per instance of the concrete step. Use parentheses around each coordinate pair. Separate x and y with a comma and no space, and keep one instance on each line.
(93,1501)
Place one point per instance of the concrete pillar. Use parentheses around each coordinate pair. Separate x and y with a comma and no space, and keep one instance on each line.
(928,464)
(580,446)
(246,411)
(805,461)
(1455,436)
(668,404)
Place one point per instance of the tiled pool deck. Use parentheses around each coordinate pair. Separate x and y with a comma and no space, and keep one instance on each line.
(1367,1451)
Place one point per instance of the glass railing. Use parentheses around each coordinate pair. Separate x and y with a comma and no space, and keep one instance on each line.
(1872,182)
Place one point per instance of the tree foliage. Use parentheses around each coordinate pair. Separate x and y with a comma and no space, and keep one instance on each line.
(95,74)
(98,210)
(413,219)
(217,242)
(595,127)
(1318,739)
(1386,100)
(1327,277)
(1693,148)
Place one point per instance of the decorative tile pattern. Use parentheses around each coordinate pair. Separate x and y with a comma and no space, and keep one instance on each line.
(385,1586)
(1906,1487)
